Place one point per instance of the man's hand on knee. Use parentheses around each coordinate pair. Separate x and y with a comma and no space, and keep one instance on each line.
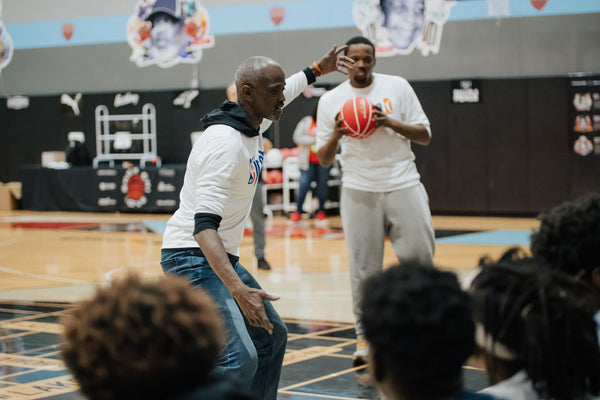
(251,303)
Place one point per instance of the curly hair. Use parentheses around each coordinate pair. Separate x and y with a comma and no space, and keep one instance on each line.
(419,326)
(137,339)
(540,320)
(569,237)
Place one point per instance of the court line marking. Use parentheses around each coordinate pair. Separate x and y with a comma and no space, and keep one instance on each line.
(325,338)
(8,242)
(42,389)
(17,311)
(33,326)
(30,317)
(16,335)
(65,305)
(308,353)
(39,276)
(325,377)
(32,362)
(317,395)
(29,371)
(326,331)
(40,349)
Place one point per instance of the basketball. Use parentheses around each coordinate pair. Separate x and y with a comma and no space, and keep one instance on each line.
(358,117)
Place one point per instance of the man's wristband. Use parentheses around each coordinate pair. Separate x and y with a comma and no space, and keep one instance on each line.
(317,69)
(310,75)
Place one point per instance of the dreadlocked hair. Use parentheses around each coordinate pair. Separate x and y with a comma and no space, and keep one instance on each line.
(545,319)
(569,237)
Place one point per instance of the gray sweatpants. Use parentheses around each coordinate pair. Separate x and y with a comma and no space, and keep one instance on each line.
(368,217)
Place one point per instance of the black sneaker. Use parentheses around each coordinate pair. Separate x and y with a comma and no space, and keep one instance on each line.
(263,264)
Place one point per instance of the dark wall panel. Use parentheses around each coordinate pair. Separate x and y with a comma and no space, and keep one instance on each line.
(549,147)
(508,144)
(585,175)
(467,158)
(432,160)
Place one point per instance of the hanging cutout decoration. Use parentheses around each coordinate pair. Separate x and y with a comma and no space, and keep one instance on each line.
(400,26)
(67,31)
(6,44)
(538,4)
(277,14)
(168,32)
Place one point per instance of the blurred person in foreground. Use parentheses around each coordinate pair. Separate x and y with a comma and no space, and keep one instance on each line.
(418,324)
(147,340)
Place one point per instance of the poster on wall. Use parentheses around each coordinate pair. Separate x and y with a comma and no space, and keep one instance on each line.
(585,115)
(6,44)
(401,26)
(168,32)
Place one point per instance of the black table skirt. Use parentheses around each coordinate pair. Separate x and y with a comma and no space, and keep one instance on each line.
(151,190)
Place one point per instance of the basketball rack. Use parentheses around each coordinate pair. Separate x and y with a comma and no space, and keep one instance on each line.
(107,141)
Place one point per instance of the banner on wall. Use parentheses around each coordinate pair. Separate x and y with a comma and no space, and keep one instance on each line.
(585,115)
(401,26)
(168,32)
(6,44)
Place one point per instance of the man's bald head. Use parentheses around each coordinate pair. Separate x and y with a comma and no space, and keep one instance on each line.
(252,71)
(260,82)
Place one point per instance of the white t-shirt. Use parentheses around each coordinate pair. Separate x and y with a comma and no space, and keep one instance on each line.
(221,176)
(384,161)
(517,387)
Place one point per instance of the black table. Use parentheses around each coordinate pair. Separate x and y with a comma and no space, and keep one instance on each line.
(150,189)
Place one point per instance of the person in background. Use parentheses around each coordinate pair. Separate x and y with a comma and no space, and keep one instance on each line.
(305,136)
(151,340)
(418,323)
(535,331)
(256,212)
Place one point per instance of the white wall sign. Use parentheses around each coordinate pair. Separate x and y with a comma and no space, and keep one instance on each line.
(17,102)
(72,102)
(125,99)
(185,98)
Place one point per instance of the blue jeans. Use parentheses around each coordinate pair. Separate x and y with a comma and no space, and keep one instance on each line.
(314,173)
(251,354)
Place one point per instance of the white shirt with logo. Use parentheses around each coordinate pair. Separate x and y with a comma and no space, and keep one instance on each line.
(384,161)
(221,176)
(220,179)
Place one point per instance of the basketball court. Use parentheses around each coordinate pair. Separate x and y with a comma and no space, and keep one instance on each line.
(50,260)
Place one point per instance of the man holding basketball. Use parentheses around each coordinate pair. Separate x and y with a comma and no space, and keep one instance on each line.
(382,194)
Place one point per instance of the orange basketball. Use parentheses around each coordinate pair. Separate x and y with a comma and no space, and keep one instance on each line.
(358,117)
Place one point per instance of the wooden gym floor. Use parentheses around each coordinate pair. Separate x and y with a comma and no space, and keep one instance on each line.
(49,260)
